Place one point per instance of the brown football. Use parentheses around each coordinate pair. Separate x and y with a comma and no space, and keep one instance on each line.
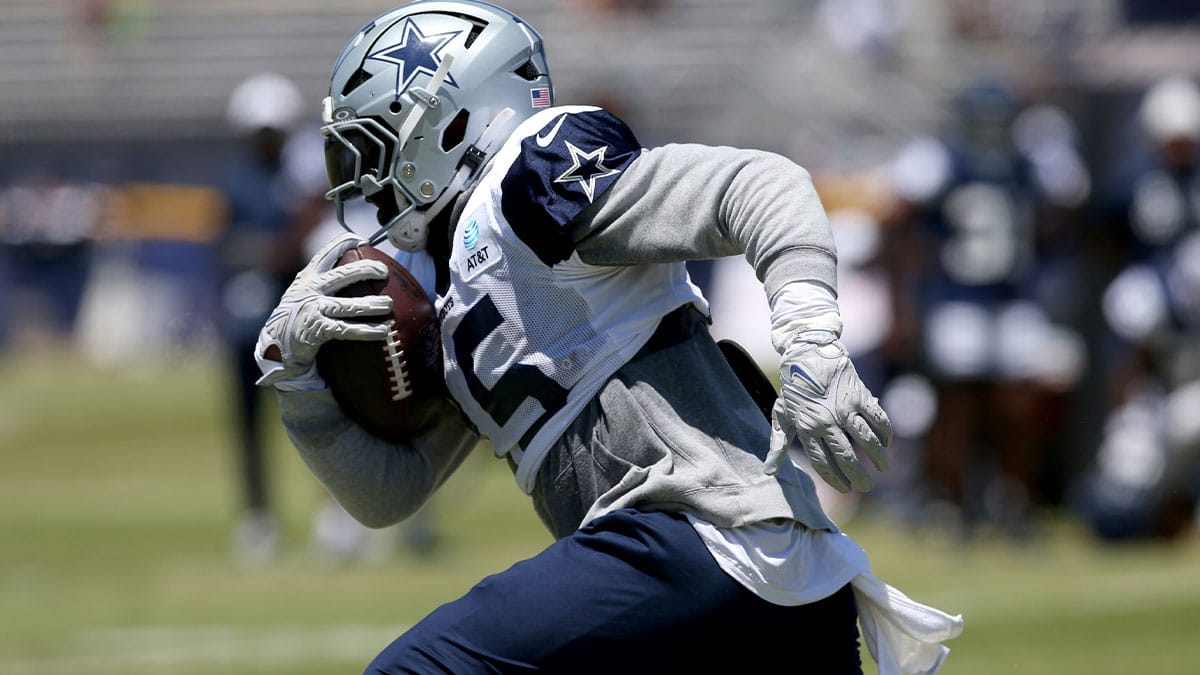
(387,386)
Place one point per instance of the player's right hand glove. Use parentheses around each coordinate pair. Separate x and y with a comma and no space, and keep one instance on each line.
(309,315)
(824,405)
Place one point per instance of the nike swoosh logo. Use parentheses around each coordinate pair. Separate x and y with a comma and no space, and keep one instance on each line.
(817,389)
(544,140)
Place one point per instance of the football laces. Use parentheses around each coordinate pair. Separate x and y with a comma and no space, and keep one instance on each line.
(397,366)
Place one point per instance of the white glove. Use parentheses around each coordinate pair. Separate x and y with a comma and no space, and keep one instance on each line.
(823,405)
(309,315)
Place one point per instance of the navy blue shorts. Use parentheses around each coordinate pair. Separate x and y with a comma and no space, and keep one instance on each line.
(632,592)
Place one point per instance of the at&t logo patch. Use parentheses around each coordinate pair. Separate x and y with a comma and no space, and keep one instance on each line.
(479,250)
(471,235)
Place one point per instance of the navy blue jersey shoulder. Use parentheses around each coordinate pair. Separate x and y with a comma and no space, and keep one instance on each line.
(559,172)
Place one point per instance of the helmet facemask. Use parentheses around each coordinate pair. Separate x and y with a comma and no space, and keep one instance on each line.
(362,156)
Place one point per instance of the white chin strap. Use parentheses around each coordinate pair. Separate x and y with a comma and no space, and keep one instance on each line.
(409,231)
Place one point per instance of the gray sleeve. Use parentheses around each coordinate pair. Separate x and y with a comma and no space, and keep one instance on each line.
(377,482)
(691,202)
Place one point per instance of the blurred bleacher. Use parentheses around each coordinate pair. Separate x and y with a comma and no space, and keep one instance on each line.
(95,69)
(778,74)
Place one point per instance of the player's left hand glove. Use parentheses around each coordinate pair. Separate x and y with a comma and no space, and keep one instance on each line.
(823,406)
(310,315)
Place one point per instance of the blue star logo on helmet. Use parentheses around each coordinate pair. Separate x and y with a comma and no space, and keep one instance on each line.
(417,54)
(471,235)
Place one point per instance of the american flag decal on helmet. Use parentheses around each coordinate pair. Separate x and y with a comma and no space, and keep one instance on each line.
(539,97)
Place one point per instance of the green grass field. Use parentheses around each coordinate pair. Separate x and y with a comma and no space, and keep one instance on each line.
(116,499)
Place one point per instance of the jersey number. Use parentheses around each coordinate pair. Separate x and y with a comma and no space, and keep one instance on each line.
(984,247)
(520,382)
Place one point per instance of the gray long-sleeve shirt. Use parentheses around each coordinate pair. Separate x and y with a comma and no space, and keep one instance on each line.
(670,430)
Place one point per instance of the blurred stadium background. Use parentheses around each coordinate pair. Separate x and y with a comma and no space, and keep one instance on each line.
(1049,494)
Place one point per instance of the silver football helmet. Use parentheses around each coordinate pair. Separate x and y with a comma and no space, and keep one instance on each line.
(419,100)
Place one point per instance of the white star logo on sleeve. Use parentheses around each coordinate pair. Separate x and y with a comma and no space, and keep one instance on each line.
(586,169)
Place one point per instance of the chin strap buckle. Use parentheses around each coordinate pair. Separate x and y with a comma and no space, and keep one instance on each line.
(473,158)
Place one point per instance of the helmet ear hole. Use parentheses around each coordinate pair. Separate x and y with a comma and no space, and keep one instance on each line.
(356,80)
(528,71)
(477,26)
(395,107)
(456,131)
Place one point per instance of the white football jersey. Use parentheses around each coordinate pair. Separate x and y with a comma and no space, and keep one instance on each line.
(531,333)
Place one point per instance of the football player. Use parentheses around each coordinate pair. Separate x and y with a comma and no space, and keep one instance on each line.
(264,208)
(1145,478)
(976,237)
(574,341)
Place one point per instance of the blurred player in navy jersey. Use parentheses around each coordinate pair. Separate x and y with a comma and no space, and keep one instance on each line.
(685,540)
(1146,476)
(260,251)
(980,286)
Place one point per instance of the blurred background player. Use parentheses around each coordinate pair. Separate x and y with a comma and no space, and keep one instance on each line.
(47,228)
(974,299)
(271,209)
(1144,480)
